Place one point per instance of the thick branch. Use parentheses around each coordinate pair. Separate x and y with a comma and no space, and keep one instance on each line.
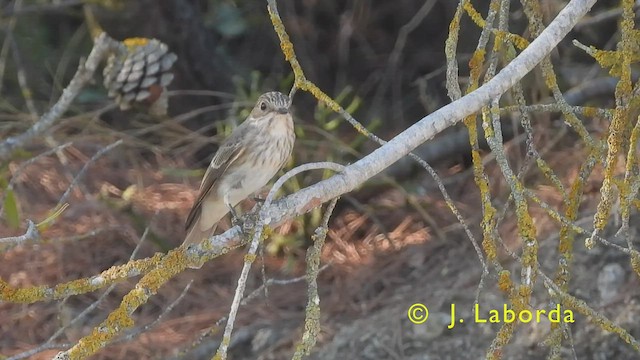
(350,178)
(362,170)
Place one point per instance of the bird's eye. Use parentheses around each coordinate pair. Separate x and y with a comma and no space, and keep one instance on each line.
(263,106)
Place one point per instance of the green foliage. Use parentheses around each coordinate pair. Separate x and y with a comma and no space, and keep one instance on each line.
(11,209)
(10,202)
(11,212)
(327,119)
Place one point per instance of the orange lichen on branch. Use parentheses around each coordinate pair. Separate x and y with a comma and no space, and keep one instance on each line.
(474,14)
(450,53)
(300,80)
(504,335)
(605,324)
(488,222)
(250,258)
(621,117)
(518,41)
(120,319)
(550,175)
(504,281)
(635,263)
(488,211)
(628,51)
(135,42)
(476,64)
(519,302)
(611,59)
(286,45)
(527,232)
(114,274)
(567,234)
(502,338)
(614,141)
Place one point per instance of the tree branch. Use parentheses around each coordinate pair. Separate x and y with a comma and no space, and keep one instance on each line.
(351,177)
(362,170)
(102,47)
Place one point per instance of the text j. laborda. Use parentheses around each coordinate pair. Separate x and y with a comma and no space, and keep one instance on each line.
(418,314)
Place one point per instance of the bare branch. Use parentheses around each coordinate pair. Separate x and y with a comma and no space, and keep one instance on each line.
(102,47)
(31,234)
(370,165)
(347,180)
(82,171)
(24,165)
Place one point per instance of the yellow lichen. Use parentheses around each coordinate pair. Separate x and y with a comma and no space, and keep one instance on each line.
(475,67)
(120,319)
(34,294)
(135,42)
(474,14)
(504,281)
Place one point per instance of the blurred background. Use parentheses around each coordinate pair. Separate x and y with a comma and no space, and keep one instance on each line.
(391,243)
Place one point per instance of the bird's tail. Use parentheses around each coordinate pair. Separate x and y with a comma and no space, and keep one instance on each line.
(195,236)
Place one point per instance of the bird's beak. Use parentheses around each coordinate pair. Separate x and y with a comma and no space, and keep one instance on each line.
(283,110)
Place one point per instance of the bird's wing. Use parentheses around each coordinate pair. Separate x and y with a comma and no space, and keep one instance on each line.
(226,155)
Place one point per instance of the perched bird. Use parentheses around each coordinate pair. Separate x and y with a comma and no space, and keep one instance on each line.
(243,164)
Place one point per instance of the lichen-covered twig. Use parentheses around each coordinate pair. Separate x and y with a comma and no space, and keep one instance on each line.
(312,312)
(49,344)
(348,179)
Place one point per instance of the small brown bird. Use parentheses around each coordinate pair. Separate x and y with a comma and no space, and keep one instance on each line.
(243,164)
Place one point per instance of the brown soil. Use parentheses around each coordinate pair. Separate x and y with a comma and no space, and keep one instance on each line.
(365,293)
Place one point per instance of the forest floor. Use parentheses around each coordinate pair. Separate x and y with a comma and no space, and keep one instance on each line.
(425,257)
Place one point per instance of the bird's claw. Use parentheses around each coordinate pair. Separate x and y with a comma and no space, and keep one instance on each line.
(235,219)
(258,199)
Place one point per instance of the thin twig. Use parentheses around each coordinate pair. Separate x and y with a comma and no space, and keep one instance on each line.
(396,54)
(80,174)
(4,52)
(264,219)
(49,343)
(102,47)
(312,312)
(16,174)
(348,179)
(31,234)
(252,296)
(27,93)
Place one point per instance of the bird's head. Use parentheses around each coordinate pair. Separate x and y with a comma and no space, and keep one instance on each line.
(270,104)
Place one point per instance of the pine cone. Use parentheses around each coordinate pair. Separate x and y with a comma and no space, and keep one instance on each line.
(140,74)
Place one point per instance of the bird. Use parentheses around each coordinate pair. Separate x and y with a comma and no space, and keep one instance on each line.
(245,162)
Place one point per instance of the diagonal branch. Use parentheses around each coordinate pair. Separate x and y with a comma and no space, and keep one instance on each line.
(357,173)
(425,129)
(102,47)
(351,177)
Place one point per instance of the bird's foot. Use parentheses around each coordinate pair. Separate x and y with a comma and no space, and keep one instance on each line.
(235,219)
(258,199)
